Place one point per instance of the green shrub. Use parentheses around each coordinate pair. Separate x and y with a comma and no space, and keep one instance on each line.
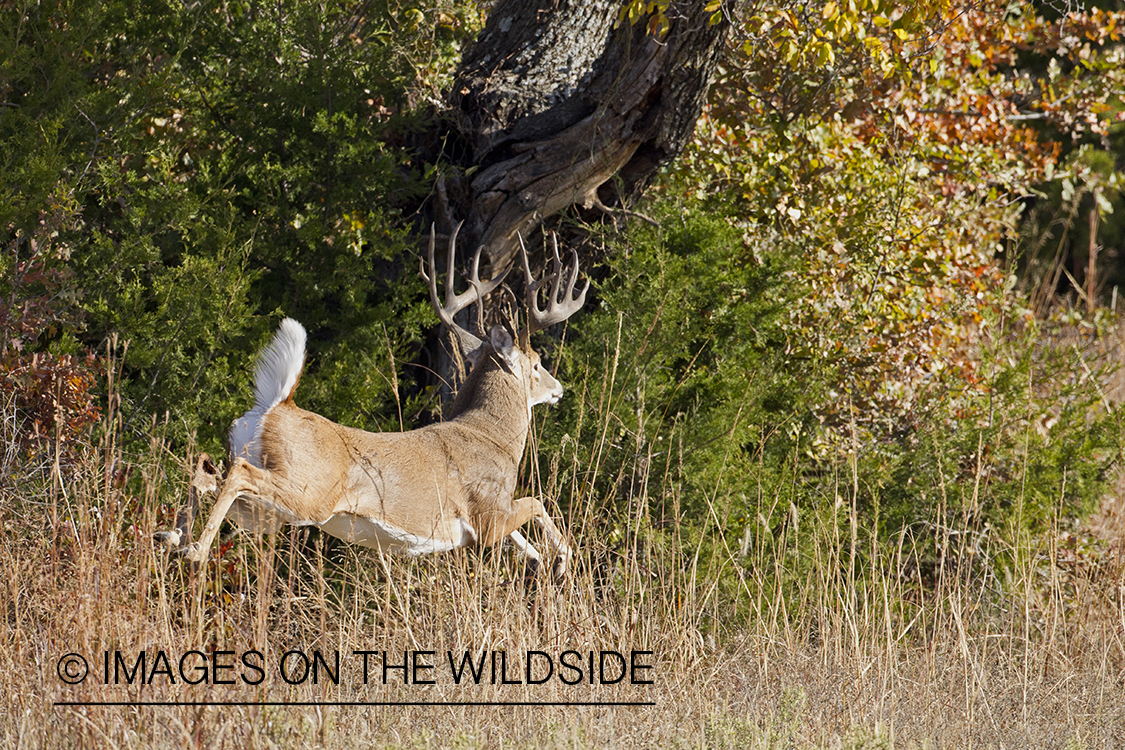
(223,167)
(691,421)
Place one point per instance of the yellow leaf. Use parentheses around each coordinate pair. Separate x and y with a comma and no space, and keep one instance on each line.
(825,56)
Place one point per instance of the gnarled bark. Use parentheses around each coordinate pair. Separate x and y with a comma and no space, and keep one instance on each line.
(556,99)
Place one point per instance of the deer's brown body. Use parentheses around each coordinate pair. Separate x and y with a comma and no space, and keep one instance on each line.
(439,487)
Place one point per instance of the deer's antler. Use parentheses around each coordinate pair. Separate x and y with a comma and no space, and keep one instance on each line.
(454,303)
(561,303)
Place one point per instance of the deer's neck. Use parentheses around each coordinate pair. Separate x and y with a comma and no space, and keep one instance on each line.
(494,402)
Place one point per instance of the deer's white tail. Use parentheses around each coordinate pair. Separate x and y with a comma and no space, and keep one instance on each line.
(275,379)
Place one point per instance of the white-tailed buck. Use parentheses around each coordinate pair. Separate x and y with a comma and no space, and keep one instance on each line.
(446,485)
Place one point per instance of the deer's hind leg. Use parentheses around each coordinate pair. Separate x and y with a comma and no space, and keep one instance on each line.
(243,479)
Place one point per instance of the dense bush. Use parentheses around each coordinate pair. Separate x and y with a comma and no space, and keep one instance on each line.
(219,168)
(687,392)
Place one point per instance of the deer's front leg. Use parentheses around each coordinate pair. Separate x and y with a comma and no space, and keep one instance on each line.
(523,510)
(558,543)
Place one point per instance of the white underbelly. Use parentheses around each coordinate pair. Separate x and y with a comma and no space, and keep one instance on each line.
(370,532)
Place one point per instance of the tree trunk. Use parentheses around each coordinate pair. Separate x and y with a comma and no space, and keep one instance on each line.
(556,99)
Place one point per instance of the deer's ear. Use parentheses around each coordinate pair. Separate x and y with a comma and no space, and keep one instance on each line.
(504,345)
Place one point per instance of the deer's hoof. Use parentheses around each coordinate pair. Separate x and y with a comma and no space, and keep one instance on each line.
(558,570)
(530,568)
(168,538)
(193,553)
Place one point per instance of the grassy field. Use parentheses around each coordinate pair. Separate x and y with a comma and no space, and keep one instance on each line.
(717,650)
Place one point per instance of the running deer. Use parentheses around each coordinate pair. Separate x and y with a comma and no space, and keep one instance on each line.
(447,485)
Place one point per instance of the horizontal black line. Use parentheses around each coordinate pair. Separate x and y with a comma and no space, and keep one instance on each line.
(609,704)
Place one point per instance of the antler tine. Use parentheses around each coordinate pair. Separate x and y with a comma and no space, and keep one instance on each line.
(449,258)
(563,303)
(454,303)
(431,279)
(556,277)
(481,289)
(532,284)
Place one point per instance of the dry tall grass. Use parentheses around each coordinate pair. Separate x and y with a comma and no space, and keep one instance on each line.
(850,656)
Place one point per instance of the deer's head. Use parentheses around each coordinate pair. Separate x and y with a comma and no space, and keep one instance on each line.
(502,355)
